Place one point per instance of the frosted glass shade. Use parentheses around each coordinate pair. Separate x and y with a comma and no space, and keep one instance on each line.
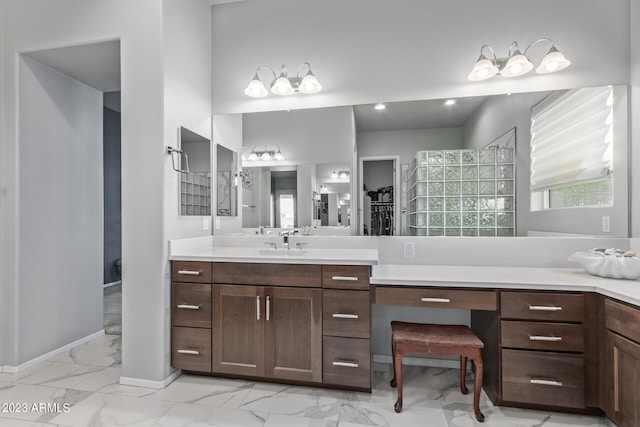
(282,86)
(310,84)
(256,89)
(552,62)
(517,65)
(483,69)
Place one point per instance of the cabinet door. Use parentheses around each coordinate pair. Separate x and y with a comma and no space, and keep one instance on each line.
(238,330)
(622,380)
(294,334)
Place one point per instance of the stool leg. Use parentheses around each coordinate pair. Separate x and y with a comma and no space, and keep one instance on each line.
(397,371)
(477,387)
(393,352)
(463,374)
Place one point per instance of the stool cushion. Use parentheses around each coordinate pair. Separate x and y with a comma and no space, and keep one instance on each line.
(435,335)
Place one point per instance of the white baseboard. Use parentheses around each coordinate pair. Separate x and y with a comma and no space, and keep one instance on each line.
(419,361)
(108,285)
(49,355)
(155,385)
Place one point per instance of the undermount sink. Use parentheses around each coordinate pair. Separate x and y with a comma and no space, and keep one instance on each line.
(282,252)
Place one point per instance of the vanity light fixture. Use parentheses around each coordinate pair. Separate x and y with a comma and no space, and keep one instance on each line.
(518,63)
(283,84)
(265,154)
(342,174)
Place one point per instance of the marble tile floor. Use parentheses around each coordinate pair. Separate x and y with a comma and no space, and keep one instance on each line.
(113,309)
(80,389)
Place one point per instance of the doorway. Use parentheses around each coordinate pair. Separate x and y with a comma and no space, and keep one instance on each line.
(379,196)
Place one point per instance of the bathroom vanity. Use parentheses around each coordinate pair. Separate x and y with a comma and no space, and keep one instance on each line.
(555,338)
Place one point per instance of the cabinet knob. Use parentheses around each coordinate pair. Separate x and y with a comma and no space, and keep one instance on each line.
(346,363)
(546,382)
(544,338)
(345,278)
(544,308)
(189,272)
(435,300)
(344,316)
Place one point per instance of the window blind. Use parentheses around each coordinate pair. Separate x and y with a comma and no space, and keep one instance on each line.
(571,137)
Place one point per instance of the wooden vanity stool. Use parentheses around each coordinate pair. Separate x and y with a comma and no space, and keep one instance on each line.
(437,339)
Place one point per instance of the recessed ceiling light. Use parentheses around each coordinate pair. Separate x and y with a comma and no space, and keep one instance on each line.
(450,102)
(380,107)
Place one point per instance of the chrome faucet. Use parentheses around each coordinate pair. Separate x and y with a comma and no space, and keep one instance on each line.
(285,241)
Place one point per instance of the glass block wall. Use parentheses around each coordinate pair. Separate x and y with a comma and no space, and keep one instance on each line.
(462,193)
(195,193)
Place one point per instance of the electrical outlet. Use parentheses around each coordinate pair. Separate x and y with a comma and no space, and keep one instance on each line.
(409,250)
(606,224)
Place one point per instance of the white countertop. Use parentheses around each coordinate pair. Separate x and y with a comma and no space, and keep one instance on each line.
(556,279)
(264,255)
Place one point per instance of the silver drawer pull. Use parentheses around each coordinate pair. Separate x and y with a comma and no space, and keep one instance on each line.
(258,307)
(352,278)
(435,300)
(546,382)
(189,306)
(345,316)
(184,351)
(346,363)
(544,338)
(544,308)
(189,272)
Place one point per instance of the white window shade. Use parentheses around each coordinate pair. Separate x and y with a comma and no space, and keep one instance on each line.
(571,138)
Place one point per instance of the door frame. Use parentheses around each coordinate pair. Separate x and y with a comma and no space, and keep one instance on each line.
(396,190)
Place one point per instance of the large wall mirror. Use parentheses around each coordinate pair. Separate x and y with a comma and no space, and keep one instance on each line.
(416,134)
(195,181)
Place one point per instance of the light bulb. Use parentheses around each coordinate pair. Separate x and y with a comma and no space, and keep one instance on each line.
(483,69)
(517,65)
(253,156)
(282,86)
(256,88)
(553,61)
(334,174)
(310,84)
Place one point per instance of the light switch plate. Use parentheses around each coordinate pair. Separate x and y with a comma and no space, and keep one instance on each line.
(606,224)
(409,250)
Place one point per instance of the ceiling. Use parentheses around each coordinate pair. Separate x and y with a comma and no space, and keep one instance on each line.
(96,64)
(416,114)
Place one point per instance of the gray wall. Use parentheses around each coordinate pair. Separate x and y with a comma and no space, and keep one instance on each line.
(635,117)
(61,201)
(407,142)
(112,195)
(377,174)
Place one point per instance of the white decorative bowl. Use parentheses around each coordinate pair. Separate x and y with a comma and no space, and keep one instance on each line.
(608,265)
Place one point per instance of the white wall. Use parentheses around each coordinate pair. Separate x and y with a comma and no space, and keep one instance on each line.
(145,223)
(306,181)
(635,117)
(366,51)
(6,313)
(407,143)
(61,210)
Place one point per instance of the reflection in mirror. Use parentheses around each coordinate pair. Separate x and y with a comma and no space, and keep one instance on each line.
(405,128)
(195,186)
(303,197)
(227,180)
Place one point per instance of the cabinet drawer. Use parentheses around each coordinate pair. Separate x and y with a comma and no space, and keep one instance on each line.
(542,306)
(191,349)
(191,305)
(543,336)
(299,275)
(440,298)
(346,361)
(346,276)
(622,319)
(346,313)
(191,271)
(543,378)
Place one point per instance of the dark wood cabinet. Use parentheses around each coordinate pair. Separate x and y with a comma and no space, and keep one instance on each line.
(293,334)
(238,330)
(267,331)
(542,345)
(620,368)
